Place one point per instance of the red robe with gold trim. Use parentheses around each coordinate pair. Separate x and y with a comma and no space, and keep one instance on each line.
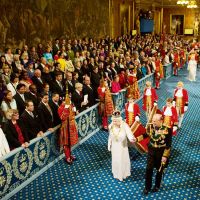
(176,62)
(170,121)
(65,114)
(153,97)
(133,89)
(182,57)
(106,106)
(130,116)
(181,101)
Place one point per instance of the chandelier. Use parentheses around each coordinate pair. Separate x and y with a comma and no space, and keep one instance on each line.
(182,2)
(192,4)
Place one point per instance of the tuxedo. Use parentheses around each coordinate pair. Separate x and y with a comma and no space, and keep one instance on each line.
(55,49)
(34,98)
(20,102)
(56,88)
(12,135)
(41,67)
(88,90)
(71,86)
(56,118)
(47,78)
(77,99)
(95,80)
(30,124)
(39,83)
(45,116)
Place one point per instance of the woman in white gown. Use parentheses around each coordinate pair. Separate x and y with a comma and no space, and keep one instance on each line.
(192,68)
(118,145)
(4,147)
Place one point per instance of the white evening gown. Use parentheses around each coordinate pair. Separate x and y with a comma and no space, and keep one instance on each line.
(118,144)
(4,148)
(192,68)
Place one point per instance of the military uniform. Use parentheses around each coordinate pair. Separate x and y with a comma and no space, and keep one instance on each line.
(159,146)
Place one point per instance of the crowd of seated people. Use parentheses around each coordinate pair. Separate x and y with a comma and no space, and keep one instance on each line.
(34,80)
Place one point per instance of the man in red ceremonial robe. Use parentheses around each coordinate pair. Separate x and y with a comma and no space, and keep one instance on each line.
(158,70)
(182,57)
(170,116)
(176,63)
(150,98)
(106,106)
(132,111)
(133,88)
(181,101)
(68,130)
(122,78)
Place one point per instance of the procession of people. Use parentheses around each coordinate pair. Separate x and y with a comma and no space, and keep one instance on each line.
(54,93)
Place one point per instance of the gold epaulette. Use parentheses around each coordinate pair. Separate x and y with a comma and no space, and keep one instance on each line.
(166,153)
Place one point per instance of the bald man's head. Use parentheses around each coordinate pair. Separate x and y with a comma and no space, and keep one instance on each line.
(157,120)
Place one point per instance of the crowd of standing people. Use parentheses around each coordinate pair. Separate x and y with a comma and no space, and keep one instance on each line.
(34,80)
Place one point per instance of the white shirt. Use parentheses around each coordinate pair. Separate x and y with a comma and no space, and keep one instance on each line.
(12,88)
(148,92)
(5,107)
(168,111)
(166,60)
(22,96)
(179,93)
(30,113)
(130,107)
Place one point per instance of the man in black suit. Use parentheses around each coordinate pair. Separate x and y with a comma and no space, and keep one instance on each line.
(30,121)
(37,80)
(20,97)
(56,47)
(57,86)
(70,83)
(33,95)
(46,76)
(88,90)
(45,113)
(42,65)
(95,79)
(54,104)
(78,99)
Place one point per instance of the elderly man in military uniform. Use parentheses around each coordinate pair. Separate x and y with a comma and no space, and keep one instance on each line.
(158,151)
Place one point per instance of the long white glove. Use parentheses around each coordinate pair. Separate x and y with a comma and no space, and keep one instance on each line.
(109,147)
(185,108)
(174,128)
(137,119)
(173,103)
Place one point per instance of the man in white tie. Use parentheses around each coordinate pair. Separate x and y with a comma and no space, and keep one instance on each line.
(57,86)
(37,80)
(21,97)
(30,121)
(45,113)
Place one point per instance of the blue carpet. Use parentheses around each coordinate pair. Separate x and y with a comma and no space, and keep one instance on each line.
(90,176)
